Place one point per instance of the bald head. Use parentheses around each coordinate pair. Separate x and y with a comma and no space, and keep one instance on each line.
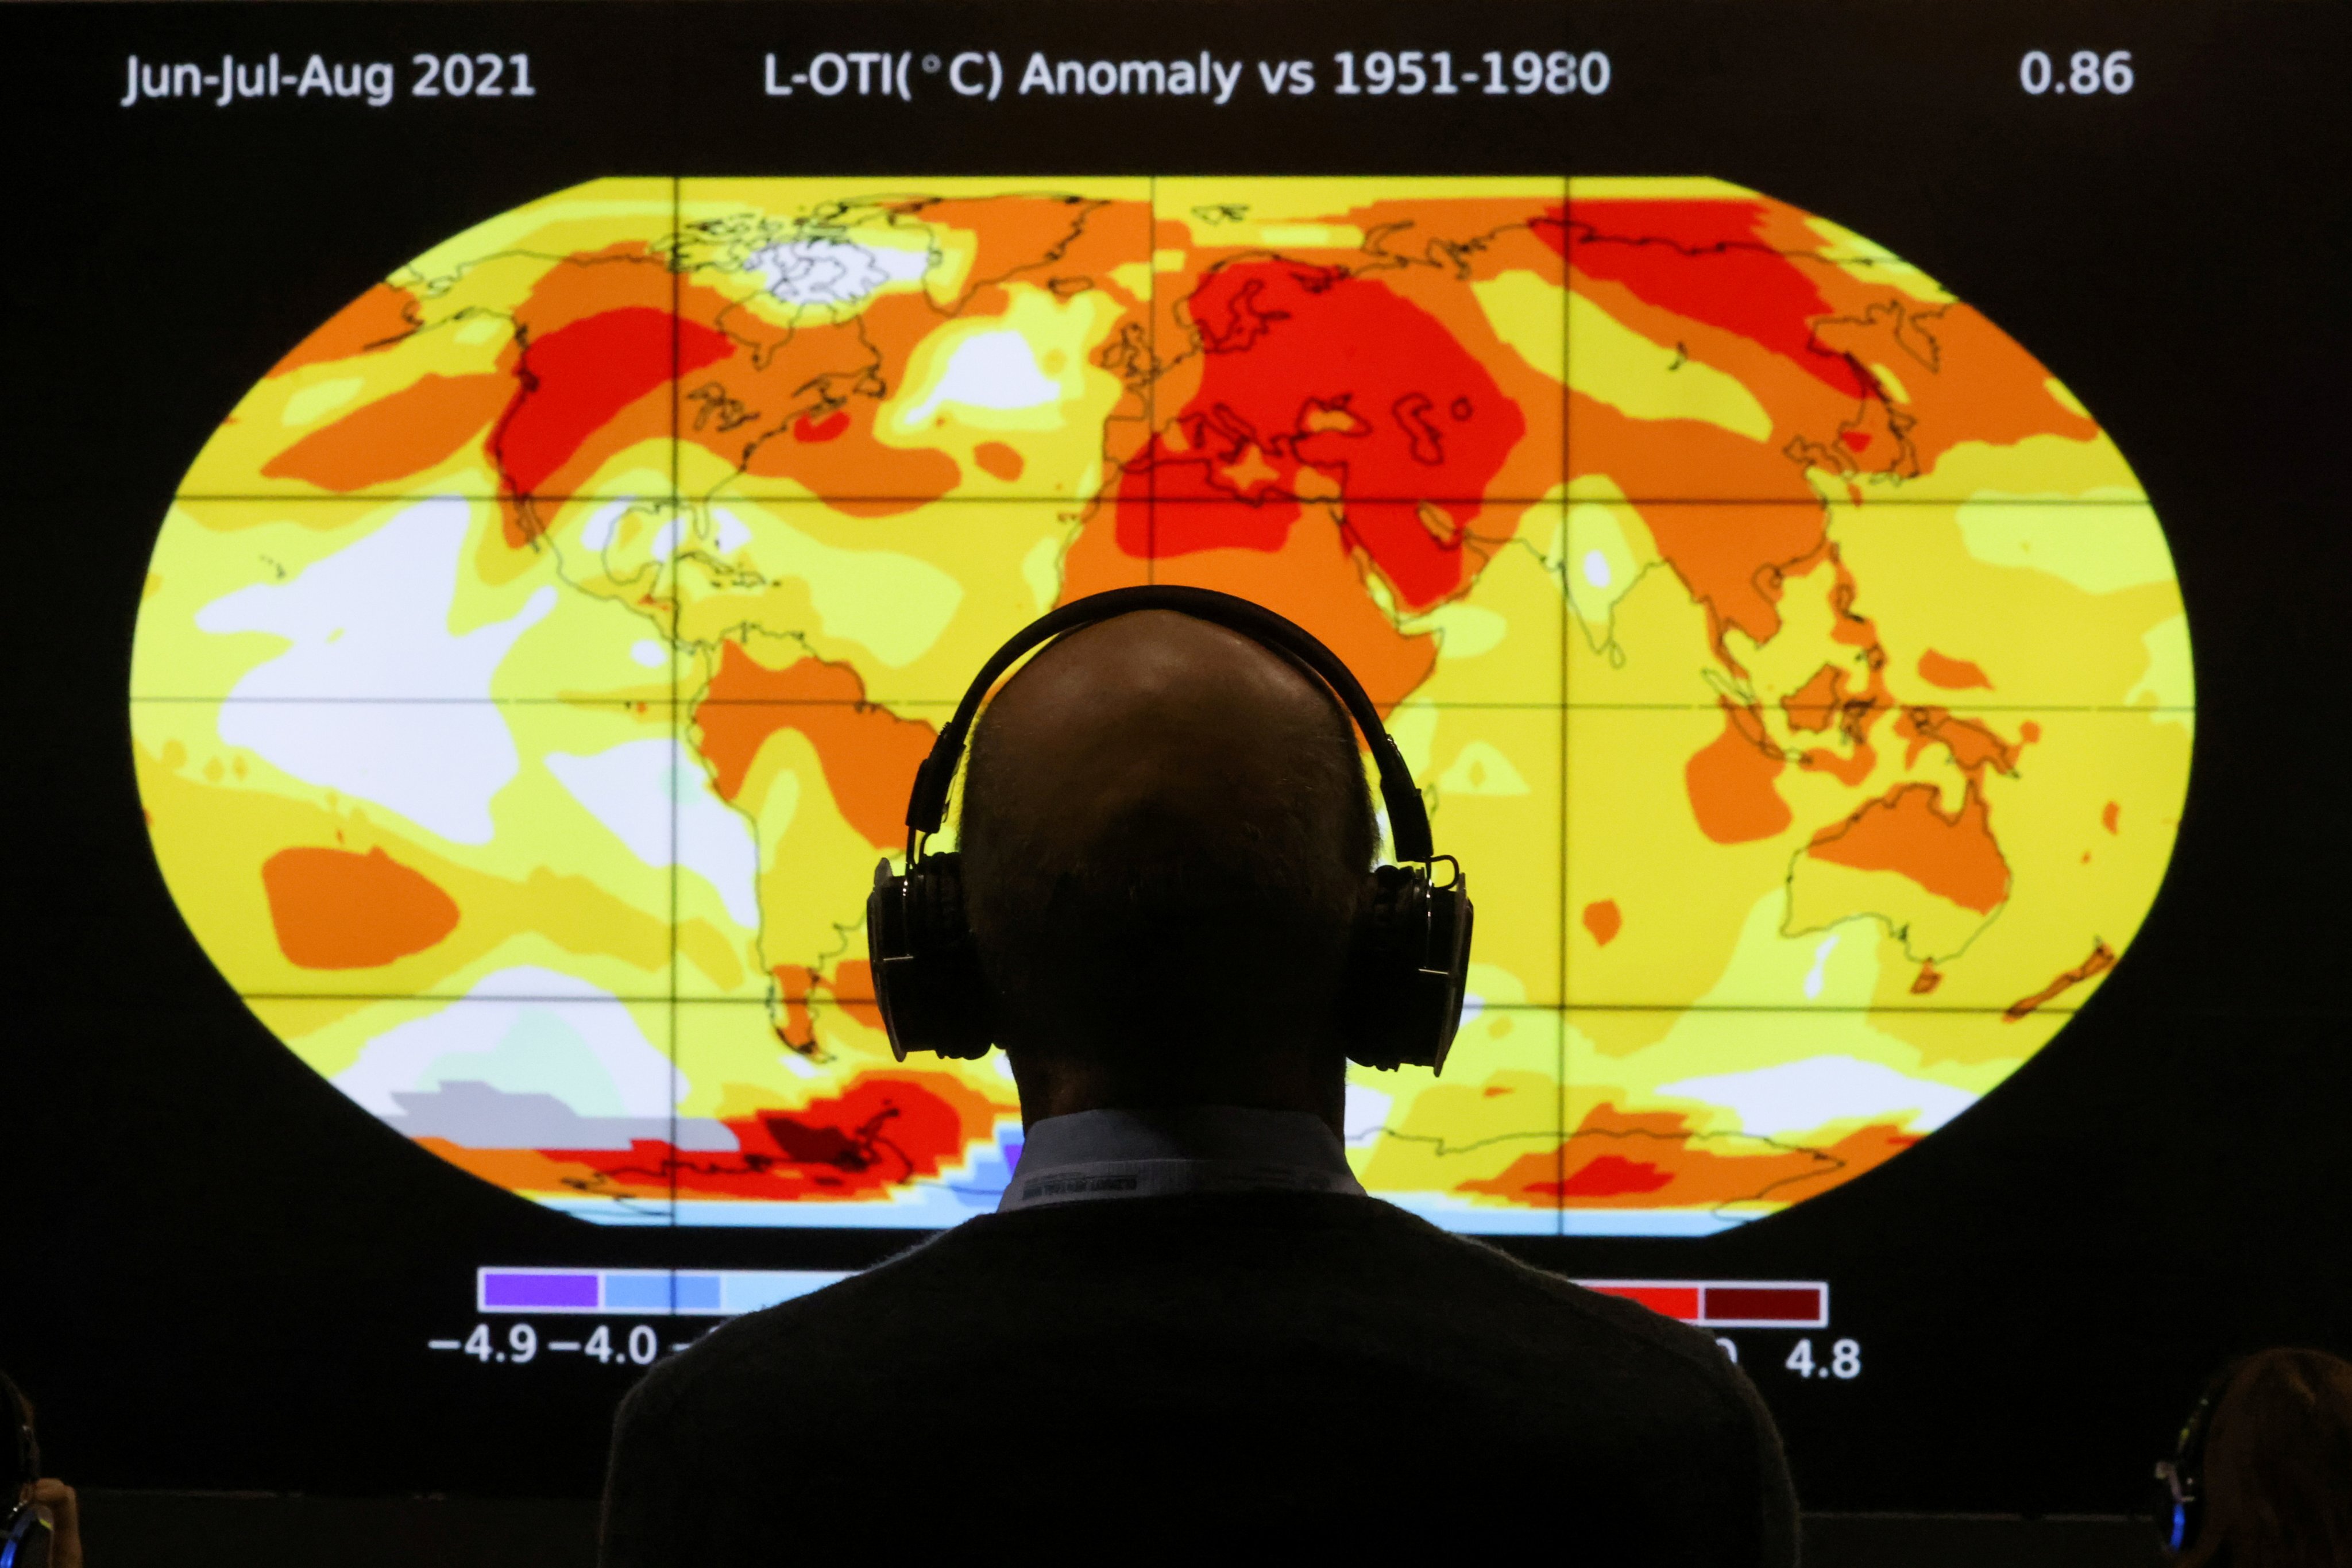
(1164,831)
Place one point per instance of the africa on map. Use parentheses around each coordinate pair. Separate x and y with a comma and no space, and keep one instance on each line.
(534,664)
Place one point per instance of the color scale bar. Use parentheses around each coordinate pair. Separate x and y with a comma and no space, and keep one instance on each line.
(1727,1304)
(729,1292)
(651,1293)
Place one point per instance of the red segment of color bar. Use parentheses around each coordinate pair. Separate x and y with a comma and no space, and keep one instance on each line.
(1679,1302)
(1727,1304)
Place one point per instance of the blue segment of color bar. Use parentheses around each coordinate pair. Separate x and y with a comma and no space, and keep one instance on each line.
(701,1293)
(661,1292)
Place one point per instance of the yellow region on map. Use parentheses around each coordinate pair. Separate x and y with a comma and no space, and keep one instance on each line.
(534,664)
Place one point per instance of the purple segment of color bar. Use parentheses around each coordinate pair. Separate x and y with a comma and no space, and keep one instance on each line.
(539,1291)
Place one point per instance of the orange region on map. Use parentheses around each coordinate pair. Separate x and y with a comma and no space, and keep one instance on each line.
(1851,771)
(1953,856)
(377,320)
(1603,920)
(334,909)
(1945,411)
(868,753)
(1733,564)
(1311,576)
(2102,958)
(804,407)
(998,460)
(849,984)
(1729,782)
(418,428)
(1951,674)
(1616,1159)
(1855,630)
(1739,269)
(1816,705)
(1017,236)
(1971,744)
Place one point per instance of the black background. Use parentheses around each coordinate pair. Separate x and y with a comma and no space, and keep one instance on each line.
(220,1273)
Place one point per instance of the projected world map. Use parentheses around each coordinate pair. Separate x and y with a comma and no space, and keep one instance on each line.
(534,664)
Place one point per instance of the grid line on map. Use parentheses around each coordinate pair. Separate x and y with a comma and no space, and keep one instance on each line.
(664,997)
(1087,498)
(676,725)
(947,704)
(1568,630)
(677,736)
(1151,386)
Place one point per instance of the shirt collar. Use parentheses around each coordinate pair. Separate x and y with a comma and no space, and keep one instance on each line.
(1089,1155)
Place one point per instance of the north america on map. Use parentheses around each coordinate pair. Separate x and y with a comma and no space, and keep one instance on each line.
(533,665)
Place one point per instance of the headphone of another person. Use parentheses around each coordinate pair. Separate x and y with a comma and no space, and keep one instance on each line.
(24,1533)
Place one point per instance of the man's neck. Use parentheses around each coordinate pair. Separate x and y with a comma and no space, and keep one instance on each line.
(1090,1155)
(1064,1089)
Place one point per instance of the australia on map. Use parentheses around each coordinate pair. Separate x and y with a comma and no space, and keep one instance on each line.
(533,665)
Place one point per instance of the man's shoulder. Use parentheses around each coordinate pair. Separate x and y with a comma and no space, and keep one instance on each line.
(1345,1260)
(743,1348)
(1504,1299)
(1136,1338)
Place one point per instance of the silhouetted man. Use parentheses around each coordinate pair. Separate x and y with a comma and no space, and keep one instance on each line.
(1187,1323)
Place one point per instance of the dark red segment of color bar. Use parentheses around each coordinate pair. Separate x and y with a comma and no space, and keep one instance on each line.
(1762,1303)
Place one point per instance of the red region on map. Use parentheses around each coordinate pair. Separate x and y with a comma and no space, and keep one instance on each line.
(1309,367)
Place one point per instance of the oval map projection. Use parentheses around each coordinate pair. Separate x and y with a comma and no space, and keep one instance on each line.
(534,664)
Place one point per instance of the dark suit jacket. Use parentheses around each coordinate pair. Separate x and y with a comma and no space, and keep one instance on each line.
(1111,1381)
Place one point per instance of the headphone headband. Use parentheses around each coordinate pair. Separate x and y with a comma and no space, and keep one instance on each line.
(2180,1508)
(27,1446)
(1409,951)
(1408,819)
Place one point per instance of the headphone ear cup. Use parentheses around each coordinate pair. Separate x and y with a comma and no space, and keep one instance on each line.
(1403,1002)
(927,976)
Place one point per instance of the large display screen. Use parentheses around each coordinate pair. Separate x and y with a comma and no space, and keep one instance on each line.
(539,478)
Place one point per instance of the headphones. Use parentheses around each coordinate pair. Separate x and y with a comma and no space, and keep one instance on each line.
(23,1531)
(2180,1505)
(1411,948)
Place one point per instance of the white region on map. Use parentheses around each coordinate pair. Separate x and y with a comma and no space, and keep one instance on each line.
(631,788)
(372,620)
(1801,1096)
(826,272)
(528,1029)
